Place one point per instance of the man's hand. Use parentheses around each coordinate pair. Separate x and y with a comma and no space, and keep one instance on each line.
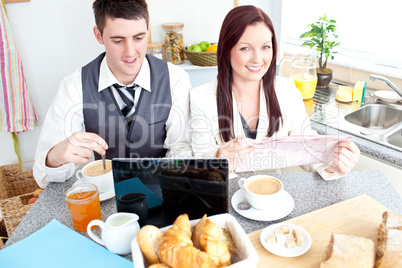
(76,149)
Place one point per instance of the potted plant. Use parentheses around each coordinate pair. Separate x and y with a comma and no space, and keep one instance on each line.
(322,38)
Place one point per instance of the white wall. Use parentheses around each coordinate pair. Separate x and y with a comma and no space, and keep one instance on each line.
(54,37)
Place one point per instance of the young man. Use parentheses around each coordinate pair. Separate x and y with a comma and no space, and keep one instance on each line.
(122,104)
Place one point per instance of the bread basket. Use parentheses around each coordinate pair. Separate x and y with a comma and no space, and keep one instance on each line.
(246,255)
(201,58)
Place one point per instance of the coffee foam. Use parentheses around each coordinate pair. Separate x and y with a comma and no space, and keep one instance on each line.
(96,169)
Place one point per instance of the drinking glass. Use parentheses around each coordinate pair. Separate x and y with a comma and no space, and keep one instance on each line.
(303,72)
(84,205)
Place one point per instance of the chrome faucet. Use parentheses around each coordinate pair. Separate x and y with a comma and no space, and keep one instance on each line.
(374,77)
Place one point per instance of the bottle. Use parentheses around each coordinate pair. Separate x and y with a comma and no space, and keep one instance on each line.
(155,49)
(173,42)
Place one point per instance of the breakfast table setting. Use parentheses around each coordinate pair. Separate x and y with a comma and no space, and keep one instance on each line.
(352,205)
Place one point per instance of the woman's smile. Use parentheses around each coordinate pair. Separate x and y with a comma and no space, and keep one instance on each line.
(255,69)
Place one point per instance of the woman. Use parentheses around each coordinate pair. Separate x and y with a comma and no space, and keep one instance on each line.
(247,100)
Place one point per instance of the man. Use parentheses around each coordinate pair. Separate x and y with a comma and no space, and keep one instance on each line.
(122,104)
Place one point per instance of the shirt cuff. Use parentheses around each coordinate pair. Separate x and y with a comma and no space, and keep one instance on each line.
(328,176)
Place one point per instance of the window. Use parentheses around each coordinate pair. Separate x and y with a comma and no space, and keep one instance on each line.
(369,31)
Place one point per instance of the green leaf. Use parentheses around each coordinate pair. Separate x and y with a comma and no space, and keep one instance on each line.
(321,36)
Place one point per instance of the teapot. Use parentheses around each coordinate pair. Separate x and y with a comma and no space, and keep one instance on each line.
(303,73)
(117,232)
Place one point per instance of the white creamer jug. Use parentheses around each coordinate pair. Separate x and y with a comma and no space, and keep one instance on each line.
(117,232)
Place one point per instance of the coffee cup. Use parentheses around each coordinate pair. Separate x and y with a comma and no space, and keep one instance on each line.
(94,173)
(262,191)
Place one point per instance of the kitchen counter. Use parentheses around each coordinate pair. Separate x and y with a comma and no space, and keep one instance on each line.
(308,190)
(325,111)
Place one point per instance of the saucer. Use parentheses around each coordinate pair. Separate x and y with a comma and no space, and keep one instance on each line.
(387,96)
(280,248)
(102,196)
(280,211)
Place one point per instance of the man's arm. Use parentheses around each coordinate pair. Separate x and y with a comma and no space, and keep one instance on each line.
(63,145)
(177,136)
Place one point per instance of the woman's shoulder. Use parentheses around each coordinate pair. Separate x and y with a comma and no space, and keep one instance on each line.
(204,90)
(285,86)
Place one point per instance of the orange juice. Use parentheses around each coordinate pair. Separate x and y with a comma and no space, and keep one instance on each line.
(84,205)
(306,83)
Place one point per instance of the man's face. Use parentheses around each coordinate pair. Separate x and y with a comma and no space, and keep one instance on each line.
(125,44)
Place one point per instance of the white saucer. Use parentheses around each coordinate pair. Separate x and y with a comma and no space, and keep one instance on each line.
(280,248)
(387,96)
(281,210)
(102,196)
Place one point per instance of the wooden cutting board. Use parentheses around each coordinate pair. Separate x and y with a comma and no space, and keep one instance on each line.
(360,216)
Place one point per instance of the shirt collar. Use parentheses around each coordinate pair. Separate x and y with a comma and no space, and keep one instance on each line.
(106,77)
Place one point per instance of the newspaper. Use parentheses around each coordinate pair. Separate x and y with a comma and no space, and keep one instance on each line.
(288,151)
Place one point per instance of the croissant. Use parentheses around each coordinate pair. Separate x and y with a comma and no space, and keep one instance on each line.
(159,265)
(176,248)
(148,239)
(207,236)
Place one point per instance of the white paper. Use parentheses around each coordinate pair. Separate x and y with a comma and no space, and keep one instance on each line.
(288,151)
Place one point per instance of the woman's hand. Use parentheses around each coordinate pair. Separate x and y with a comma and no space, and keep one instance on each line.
(234,151)
(76,149)
(346,155)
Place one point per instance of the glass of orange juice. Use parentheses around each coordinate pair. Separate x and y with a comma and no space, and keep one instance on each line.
(84,205)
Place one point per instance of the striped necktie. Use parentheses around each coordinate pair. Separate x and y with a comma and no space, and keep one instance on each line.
(127,94)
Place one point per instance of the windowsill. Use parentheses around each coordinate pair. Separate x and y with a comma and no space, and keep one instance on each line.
(354,63)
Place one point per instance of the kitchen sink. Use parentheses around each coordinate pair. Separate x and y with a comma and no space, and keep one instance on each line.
(375,120)
(375,116)
(396,138)
(379,123)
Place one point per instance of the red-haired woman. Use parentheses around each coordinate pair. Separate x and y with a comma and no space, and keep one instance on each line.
(248,100)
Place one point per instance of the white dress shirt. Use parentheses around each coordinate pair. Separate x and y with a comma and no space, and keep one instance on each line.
(65,116)
(205,137)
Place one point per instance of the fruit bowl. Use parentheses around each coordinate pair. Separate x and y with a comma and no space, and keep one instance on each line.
(201,58)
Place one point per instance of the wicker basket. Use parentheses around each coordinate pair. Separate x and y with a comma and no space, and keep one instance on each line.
(14,210)
(3,233)
(201,58)
(16,188)
(14,181)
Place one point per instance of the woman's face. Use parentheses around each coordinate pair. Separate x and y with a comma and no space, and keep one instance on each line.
(251,56)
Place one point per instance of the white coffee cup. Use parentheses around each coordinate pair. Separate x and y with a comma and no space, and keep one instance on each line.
(93,173)
(262,191)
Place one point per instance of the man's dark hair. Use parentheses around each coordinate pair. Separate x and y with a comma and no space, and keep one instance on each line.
(124,9)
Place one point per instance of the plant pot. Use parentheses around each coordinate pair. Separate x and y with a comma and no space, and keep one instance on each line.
(324,78)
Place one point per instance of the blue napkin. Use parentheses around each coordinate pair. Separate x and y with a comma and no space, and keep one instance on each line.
(135,185)
(56,245)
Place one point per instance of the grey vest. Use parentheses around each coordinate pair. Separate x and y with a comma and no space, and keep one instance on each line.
(147,133)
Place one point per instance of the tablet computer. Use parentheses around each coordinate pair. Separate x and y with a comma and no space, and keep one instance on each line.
(160,189)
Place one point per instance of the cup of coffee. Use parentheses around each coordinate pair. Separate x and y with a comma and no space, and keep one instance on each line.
(262,191)
(94,173)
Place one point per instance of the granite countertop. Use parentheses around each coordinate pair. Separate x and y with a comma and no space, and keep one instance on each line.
(309,191)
